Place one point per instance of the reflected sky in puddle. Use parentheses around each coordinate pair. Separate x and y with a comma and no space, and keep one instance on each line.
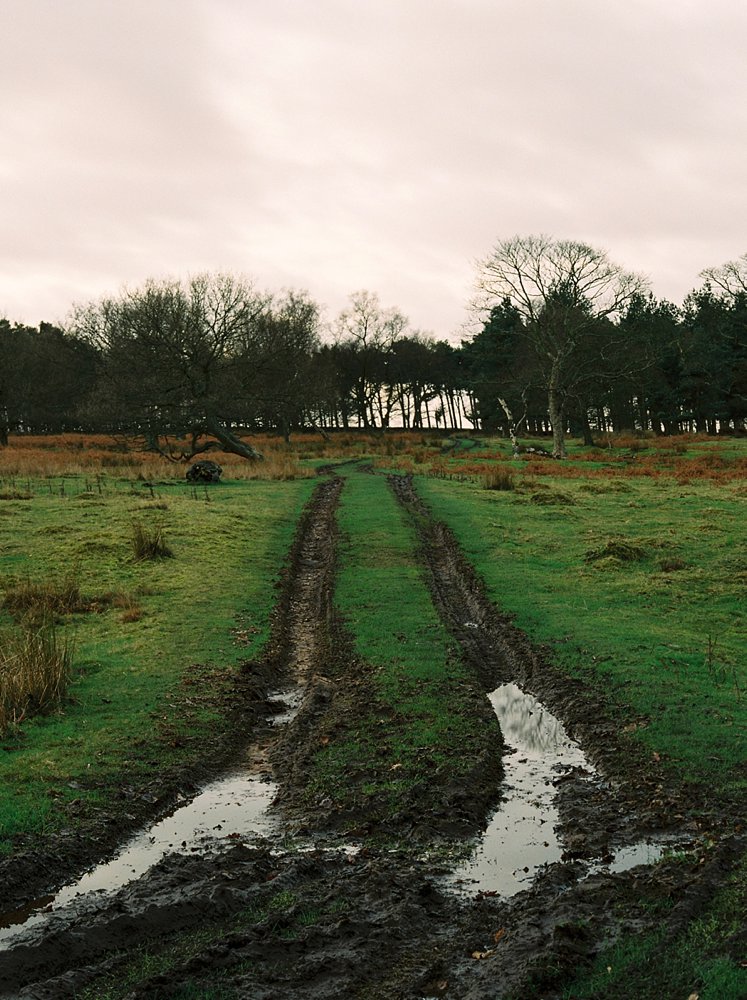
(236,805)
(521,837)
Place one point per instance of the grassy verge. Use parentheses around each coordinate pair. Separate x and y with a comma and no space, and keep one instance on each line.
(641,588)
(156,642)
(418,731)
(636,585)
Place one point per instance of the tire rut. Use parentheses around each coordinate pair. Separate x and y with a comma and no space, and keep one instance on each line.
(168,897)
(633,796)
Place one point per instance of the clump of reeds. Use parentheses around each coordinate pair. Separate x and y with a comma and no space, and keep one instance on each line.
(149,542)
(36,601)
(35,670)
(498,479)
(124,601)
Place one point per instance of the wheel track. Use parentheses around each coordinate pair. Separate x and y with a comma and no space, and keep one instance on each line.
(169,899)
(632,798)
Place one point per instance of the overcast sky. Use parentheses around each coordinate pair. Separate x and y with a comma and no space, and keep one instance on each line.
(335,145)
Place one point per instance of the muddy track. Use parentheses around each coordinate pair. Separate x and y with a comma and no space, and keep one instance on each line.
(327,924)
(298,641)
(633,795)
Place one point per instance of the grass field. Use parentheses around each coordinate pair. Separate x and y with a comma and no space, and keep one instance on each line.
(629,561)
(642,589)
(637,584)
(150,633)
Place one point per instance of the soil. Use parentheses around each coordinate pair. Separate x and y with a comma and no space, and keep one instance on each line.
(348,916)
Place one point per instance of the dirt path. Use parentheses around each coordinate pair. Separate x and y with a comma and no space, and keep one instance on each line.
(318,921)
(633,797)
(298,642)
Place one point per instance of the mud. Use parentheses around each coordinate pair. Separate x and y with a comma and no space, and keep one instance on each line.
(633,794)
(263,918)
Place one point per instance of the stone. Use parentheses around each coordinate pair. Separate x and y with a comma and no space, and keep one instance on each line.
(204,472)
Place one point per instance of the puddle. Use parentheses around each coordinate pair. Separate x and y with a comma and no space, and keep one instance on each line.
(236,805)
(521,838)
(292,702)
(644,853)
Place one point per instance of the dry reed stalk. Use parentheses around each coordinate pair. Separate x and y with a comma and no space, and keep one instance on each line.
(39,601)
(35,670)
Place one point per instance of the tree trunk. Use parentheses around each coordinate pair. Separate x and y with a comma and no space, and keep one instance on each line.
(586,429)
(230,442)
(511,426)
(557,421)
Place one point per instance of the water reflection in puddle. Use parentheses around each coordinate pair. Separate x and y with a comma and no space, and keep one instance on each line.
(644,853)
(236,805)
(521,838)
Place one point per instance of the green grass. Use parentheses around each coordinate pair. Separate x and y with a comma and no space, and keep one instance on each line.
(146,692)
(669,645)
(421,726)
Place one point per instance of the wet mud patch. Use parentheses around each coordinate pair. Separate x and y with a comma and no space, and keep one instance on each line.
(324,924)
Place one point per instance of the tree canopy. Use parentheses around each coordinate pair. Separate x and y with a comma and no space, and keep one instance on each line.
(569,341)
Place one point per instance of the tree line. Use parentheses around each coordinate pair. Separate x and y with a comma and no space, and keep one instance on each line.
(566,341)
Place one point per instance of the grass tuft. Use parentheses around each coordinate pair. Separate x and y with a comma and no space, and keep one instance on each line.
(498,479)
(35,670)
(551,498)
(616,548)
(149,542)
(37,601)
(672,564)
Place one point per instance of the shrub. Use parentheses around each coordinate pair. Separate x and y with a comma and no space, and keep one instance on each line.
(149,542)
(35,670)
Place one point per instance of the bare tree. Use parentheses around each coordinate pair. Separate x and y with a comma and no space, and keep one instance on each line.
(174,353)
(367,333)
(731,277)
(563,290)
